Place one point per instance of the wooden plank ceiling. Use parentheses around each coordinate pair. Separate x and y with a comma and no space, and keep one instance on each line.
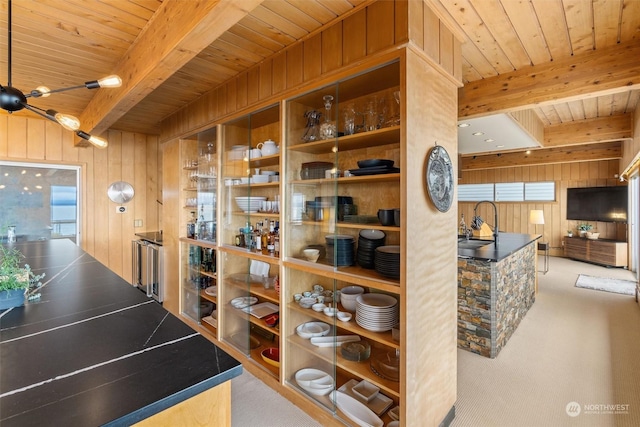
(63,43)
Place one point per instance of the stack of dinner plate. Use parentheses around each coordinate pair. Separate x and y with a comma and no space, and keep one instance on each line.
(377,312)
(340,249)
(387,261)
(368,241)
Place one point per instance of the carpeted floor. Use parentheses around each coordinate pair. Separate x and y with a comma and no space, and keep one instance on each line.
(574,345)
(575,349)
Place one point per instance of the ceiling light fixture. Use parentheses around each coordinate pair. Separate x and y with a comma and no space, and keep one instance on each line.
(489,140)
(477,133)
(12,99)
(464,125)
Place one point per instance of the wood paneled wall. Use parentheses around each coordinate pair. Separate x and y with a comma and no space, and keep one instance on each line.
(134,158)
(322,56)
(514,217)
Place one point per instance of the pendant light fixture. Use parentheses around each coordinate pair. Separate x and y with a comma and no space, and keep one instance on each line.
(12,99)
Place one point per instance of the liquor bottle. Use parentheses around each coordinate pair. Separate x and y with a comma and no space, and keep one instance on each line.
(462,229)
(276,243)
(265,234)
(257,236)
(203,224)
(272,238)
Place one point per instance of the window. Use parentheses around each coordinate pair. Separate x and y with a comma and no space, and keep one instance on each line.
(475,192)
(508,192)
(40,200)
(540,191)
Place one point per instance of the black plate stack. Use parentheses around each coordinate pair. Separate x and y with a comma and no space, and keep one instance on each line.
(374,167)
(340,249)
(387,261)
(368,241)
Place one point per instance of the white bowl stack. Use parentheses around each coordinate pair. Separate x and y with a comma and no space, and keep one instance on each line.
(250,204)
(348,296)
(377,312)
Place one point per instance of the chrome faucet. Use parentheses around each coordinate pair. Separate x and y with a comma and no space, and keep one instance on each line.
(495,211)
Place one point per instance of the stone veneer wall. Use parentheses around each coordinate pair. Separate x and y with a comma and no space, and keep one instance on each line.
(493,297)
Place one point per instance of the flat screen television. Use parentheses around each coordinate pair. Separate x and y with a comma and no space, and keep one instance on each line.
(606,204)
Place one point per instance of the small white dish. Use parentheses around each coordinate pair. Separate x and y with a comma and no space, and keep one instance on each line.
(330,311)
(307,302)
(334,341)
(344,316)
(365,391)
(318,307)
(313,329)
(394,413)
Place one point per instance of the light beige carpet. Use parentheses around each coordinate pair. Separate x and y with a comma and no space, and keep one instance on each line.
(574,345)
(254,404)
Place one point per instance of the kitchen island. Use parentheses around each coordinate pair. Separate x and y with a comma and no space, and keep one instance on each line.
(94,350)
(496,288)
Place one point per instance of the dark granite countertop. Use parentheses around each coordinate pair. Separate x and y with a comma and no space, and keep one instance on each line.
(151,236)
(508,243)
(96,351)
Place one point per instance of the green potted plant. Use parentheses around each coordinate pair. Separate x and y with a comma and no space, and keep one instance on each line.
(570,233)
(584,227)
(15,281)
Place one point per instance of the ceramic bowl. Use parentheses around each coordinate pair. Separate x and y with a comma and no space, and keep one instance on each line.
(318,307)
(365,391)
(271,355)
(344,316)
(349,295)
(311,254)
(259,179)
(307,302)
(330,311)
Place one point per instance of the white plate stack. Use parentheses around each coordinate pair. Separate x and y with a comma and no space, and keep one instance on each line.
(377,312)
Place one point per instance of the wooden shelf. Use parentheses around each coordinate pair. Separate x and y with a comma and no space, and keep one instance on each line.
(236,250)
(384,136)
(388,177)
(201,243)
(353,274)
(351,326)
(257,185)
(265,161)
(260,323)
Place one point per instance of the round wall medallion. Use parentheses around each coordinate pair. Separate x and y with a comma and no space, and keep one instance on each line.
(440,178)
(120,192)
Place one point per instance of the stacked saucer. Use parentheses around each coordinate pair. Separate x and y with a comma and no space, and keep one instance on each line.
(368,241)
(377,312)
(387,261)
(340,249)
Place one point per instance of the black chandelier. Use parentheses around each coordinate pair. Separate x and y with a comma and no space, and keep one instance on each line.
(12,99)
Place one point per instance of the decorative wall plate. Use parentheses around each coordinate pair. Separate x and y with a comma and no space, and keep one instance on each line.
(120,192)
(440,178)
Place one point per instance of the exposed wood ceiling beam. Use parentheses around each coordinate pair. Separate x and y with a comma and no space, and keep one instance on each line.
(601,129)
(176,33)
(600,72)
(581,153)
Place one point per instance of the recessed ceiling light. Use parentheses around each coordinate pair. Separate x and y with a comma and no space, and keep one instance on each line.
(489,140)
(499,146)
(464,125)
(477,133)
(528,152)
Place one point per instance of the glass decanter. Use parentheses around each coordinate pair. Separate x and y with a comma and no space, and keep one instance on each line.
(313,126)
(328,128)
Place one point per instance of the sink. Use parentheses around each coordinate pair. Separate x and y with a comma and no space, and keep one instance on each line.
(472,244)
